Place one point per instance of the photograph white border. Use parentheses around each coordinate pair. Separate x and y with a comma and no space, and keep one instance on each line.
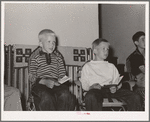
(77,115)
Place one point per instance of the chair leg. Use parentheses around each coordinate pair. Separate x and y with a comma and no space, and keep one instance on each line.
(120,108)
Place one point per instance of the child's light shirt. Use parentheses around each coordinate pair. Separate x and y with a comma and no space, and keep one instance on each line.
(101,72)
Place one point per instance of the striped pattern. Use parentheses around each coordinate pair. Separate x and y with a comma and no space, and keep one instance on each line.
(40,68)
(18,76)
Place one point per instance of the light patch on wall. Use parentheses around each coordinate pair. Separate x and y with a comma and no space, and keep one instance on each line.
(74,24)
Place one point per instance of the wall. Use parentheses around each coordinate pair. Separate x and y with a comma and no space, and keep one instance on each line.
(119,23)
(75,24)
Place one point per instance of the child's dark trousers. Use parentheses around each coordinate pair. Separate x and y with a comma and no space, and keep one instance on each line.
(94,99)
(57,99)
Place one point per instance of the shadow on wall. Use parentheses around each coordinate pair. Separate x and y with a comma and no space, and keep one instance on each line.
(112,59)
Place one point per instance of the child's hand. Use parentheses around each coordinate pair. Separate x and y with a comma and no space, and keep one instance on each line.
(57,84)
(32,77)
(119,86)
(49,83)
(113,89)
(95,86)
(140,79)
(142,68)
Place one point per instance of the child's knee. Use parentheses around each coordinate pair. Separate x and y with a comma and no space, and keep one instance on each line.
(90,95)
(94,95)
(65,94)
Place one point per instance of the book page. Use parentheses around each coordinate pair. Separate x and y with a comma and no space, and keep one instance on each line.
(114,84)
(119,79)
(64,79)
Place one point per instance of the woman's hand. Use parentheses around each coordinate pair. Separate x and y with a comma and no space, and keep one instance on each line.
(95,86)
(113,89)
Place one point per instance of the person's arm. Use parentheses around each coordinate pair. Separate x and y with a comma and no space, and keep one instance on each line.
(33,65)
(116,76)
(140,79)
(135,63)
(84,78)
(141,76)
(61,68)
(33,70)
(95,86)
(142,68)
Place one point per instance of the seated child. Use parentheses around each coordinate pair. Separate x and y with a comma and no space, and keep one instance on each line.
(46,68)
(97,73)
(137,64)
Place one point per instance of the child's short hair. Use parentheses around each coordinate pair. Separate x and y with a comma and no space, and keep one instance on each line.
(97,42)
(43,34)
(137,35)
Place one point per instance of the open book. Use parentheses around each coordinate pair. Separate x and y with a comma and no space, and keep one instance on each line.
(117,82)
(49,82)
(64,79)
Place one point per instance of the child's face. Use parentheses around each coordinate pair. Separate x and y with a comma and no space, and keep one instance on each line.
(141,42)
(102,51)
(49,43)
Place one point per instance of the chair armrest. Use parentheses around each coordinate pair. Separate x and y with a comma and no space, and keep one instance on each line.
(78,83)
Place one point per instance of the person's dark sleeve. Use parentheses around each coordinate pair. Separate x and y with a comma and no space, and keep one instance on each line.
(135,62)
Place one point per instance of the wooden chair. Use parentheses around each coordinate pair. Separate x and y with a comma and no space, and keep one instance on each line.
(16,68)
(109,104)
